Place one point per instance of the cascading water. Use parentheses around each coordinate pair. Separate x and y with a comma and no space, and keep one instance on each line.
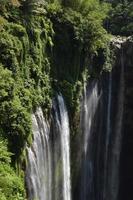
(113,137)
(90,104)
(117,139)
(108,133)
(101,127)
(48,168)
(38,173)
(62,123)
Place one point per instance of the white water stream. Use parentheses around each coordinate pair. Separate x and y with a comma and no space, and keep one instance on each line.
(48,173)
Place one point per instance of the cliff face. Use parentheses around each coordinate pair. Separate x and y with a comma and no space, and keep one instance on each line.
(46,49)
(101,133)
(98,149)
(126,172)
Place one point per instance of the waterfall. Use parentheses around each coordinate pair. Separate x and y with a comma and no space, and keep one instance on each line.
(48,174)
(89,108)
(62,127)
(48,159)
(108,132)
(116,145)
(38,173)
(90,104)
(101,133)
(109,111)
(115,107)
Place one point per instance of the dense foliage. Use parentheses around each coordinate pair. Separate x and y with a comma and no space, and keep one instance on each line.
(79,34)
(24,84)
(11,185)
(120,20)
(45,46)
(24,77)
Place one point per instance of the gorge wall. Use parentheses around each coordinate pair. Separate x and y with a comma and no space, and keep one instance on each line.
(97,169)
(65,103)
(127,142)
(102,117)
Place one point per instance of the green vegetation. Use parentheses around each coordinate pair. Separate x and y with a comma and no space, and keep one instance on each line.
(79,34)
(11,185)
(46,46)
(25,83)
(24,77)
(120,20)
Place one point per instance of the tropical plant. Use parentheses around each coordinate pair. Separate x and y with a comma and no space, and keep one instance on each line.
(11,185)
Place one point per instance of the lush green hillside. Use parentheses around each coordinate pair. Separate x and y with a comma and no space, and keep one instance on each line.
(120,20)
(11,186)
(46,47)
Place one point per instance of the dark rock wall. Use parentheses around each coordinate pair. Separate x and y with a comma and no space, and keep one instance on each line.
(126,173)
(99,172)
